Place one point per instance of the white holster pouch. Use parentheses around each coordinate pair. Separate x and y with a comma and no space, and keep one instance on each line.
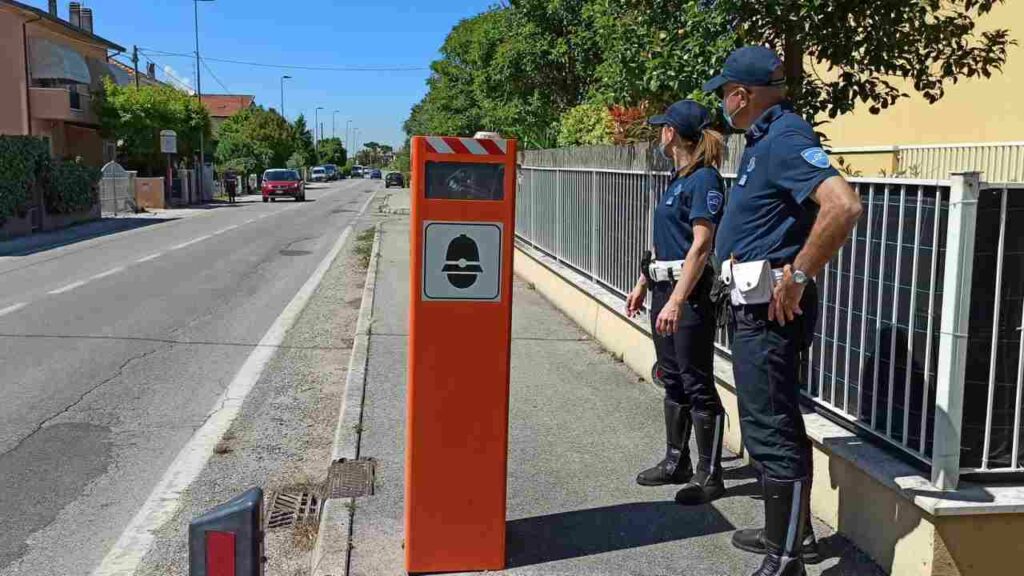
(749,282)
(666,271)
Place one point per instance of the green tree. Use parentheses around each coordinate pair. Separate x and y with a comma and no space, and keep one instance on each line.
(585,125)
(134,117)
(332,151)
(657,51)
(841,52)
(374,154)
(254,140)
(305,151)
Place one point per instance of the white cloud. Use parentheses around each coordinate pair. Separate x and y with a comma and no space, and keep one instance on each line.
(179,80)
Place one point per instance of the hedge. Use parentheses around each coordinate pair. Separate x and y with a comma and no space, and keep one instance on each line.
(71,187)
(24,161)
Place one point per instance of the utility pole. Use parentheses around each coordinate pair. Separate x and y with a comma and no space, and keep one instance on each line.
(333,115)
(199,96)
(135,63)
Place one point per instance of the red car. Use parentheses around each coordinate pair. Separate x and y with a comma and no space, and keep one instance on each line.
(281,182)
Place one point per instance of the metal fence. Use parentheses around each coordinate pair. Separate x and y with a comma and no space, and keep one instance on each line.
(997,161)
(899,337)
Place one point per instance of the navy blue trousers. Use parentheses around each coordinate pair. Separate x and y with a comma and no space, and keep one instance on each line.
(686,358)
(767,363)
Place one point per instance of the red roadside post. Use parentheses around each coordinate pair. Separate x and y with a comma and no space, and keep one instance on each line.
(460,322)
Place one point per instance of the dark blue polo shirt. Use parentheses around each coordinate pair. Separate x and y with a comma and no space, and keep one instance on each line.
(687,199)
(770,211)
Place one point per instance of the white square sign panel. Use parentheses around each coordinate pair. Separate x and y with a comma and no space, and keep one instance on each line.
(462,261)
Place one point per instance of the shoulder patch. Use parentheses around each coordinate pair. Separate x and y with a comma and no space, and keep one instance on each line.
(715,199)
(816,157)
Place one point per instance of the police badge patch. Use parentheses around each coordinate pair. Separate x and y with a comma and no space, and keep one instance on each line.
(715,199)
(816,157)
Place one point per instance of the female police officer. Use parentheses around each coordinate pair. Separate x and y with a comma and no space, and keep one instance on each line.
(682,314)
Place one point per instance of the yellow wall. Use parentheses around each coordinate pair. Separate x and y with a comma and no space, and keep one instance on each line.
(978,110)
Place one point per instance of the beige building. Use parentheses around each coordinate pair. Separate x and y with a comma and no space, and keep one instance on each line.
(978,124)
(50,71)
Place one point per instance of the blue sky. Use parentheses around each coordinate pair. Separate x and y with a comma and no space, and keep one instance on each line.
(336,33)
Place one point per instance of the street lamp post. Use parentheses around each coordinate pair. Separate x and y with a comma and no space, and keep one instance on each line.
(348,141)
(199,96)
(316,124)
(283,78)
(333,115)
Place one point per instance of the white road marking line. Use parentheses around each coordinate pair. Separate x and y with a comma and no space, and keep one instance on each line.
(190,242)
(124,558)
(67,288)
(13,308)
(110,272)
(150,257)
(229,228)
(250,221)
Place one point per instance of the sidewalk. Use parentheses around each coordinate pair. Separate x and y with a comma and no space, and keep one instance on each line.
(581,426)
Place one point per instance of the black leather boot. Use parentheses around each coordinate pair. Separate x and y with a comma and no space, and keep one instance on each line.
(752,540)
(706,485)
(675,468)
(785,505)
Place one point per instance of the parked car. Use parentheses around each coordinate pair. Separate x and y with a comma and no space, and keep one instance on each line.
(279,182)
(375,174)
(318,174)
(394,179)
(332,172)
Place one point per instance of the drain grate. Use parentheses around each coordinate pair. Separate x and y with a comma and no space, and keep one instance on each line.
(351,478)
(291,507)
(294,252)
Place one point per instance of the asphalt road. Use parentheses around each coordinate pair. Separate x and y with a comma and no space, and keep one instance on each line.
(115,349)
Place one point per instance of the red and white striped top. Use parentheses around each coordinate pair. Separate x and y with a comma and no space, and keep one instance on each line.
(453,145)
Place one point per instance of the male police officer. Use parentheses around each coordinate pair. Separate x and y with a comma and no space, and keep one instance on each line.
(789,212)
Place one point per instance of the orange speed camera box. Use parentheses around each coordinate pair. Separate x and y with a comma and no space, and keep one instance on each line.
(460,322)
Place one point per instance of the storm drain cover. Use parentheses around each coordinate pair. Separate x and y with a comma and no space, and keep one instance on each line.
(351,478)
(291,507)
(294,252)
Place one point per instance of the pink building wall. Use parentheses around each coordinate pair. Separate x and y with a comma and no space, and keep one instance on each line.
(12,74)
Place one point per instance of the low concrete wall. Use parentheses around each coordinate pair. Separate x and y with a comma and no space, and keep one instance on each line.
(880,503)
(149,193)
(14,227)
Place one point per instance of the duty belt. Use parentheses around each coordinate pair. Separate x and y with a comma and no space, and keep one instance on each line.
(665,271)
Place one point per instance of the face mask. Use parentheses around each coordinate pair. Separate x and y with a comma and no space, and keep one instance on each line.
(725,111)
(663,152)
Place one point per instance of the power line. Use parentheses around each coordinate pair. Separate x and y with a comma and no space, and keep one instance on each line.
(295,66)
(169,76)
(203,60)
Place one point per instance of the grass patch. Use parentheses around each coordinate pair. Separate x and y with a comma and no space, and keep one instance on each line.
(364,247)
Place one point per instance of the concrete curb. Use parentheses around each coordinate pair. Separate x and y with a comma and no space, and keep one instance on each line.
(331,553)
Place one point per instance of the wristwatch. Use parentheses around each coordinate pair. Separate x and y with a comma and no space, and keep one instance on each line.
(799,277)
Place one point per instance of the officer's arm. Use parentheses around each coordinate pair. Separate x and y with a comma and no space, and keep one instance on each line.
(696,259)
(838,213)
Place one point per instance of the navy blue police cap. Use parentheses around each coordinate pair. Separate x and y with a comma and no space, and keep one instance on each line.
(688,118)
(749,66)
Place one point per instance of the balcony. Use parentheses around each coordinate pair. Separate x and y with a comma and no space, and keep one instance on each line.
(62,104)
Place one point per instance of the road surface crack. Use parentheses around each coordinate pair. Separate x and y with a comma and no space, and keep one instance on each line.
(81,398)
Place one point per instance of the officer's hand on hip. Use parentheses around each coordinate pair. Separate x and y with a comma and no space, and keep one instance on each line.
(635,300)
(668,319)
(785,304)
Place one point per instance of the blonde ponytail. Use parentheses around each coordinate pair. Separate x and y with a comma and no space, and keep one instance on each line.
(709,152)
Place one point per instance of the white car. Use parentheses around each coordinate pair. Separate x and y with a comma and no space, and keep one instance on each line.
(318,174)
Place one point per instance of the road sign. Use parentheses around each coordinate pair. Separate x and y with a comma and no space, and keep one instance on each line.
(168,142)
(460,322)
(462,261)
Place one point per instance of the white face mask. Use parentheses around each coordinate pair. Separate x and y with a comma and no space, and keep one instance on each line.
(730,115)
